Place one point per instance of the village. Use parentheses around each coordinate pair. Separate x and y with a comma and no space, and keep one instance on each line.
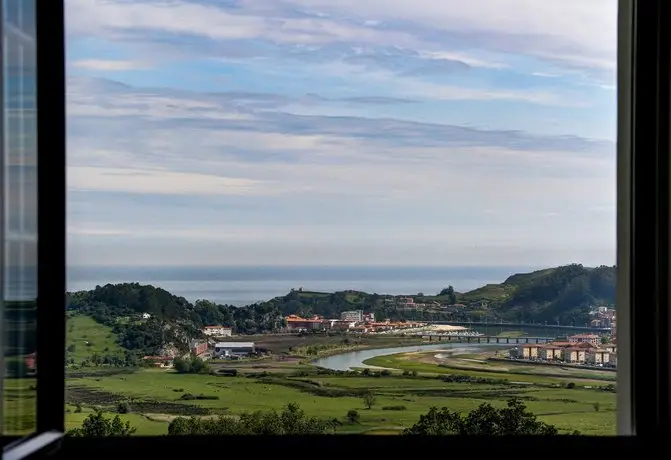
(214,346)
(580,349)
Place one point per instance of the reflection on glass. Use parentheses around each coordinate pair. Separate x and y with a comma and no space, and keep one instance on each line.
(19,217)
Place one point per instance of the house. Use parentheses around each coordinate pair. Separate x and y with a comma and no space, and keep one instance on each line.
(574,354)
(598,356)
(340,325)
(529,351)
(230,349)
(217,331)
(551,352)
(197,347)
(584,345)
(609,347)
(146,316)
(588,338)
(296,323)
(354,315)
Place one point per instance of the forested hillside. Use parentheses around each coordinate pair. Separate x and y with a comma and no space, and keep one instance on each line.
(173,319)
(561,294)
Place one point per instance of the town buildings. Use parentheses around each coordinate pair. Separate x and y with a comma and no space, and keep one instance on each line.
(233,349)
(296,323)
(217,331)
(350,323)
(354,315)
(578,349)
(585,338)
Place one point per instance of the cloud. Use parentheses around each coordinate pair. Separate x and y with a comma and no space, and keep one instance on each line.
(108,65)
(437,35)
(157,182)
(572,32)
(340,132)
(290,180)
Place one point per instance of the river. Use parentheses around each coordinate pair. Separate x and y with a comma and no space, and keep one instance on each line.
(346,361)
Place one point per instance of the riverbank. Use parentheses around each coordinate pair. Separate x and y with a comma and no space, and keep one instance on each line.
(480,365)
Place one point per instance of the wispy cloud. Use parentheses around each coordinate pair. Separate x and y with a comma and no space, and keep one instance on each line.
(108,65)
(327,132)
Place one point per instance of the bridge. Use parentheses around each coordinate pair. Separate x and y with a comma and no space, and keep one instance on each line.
(485,339)
(527,325)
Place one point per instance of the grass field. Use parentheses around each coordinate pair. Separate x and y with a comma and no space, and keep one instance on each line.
(469,365)
(288,343)
(154,398)
(86,337)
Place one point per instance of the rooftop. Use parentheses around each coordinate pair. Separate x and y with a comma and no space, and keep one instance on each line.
(234,345)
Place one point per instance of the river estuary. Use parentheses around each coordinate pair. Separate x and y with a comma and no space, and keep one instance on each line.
(346,361)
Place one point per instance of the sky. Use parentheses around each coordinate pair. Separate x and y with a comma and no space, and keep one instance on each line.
(349,132)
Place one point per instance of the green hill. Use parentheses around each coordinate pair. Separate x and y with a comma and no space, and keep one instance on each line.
(173,321)
(561,294)
(86,337)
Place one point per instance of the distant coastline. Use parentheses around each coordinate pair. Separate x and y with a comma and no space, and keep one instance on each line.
(246,284)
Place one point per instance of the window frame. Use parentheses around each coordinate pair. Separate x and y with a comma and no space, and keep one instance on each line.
(643,245)
(644,207)
(51,233)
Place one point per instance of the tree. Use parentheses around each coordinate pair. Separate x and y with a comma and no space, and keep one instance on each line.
(291,421)
(191,365)
(334,423)
(97,425)
(369,400)
(353,416)
(514,419)
(450,294)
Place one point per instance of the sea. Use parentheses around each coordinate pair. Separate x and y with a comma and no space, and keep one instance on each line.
(245,285)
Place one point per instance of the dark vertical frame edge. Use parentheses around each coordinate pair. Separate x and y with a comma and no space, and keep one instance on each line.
(51,196)
(624,95)
(2,218)
(646,149)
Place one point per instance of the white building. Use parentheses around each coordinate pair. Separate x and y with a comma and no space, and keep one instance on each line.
(217,331)
(146,316)
(227,349)
(353,315)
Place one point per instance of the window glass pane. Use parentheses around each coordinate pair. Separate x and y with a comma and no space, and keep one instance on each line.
(291,182)
(19,218)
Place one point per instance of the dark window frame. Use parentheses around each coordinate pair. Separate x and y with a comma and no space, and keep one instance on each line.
(51,231)
(643,260)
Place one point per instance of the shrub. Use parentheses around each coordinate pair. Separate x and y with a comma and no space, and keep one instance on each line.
(353,416)
(122,408)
